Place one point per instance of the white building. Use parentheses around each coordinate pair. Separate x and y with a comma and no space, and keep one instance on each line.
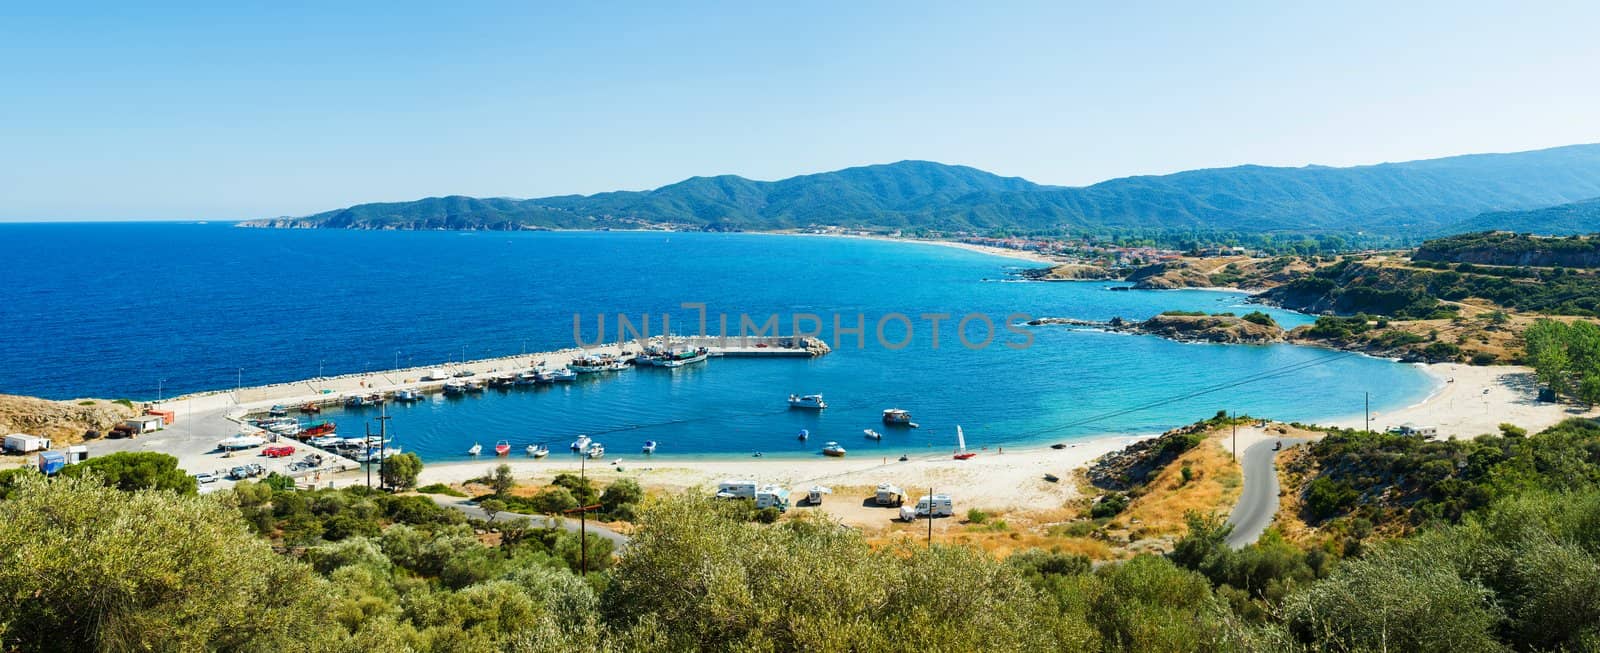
(24,443)
(144,424)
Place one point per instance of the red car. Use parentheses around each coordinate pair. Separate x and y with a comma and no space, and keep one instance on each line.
(278,452)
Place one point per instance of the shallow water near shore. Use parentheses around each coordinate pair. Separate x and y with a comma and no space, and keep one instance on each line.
(212,305)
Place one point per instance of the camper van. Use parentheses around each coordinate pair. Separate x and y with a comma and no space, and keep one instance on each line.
(889,495)
(938,505)
(773,496)
(736,489)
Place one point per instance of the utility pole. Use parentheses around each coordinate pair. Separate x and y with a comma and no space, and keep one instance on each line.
(1235,422)
(320,363)
(583,517)
(159,383)
(1367,409)
(368,462)
(383,440)
(930,516)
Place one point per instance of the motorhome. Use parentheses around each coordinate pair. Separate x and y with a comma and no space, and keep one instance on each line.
(889,494)
(773,496)
(736,489)
(938,505)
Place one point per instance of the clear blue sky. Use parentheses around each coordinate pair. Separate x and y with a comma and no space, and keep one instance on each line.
(216,111)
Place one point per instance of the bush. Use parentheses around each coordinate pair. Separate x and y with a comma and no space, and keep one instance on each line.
(1327,497)
(621,498)
(400,472)
(440,488)
(553,500)
(1109,505)
(1260,318)
(976,516)
(136,470)
(768,515)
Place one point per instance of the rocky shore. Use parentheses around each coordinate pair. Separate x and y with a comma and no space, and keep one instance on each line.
(1183,328)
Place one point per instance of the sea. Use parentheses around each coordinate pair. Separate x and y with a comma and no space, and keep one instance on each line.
(141,310)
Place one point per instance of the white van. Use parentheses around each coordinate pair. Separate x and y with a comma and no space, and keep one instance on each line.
(736,489)
(938,505)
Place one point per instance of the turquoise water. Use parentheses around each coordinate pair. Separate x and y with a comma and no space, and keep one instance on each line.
(202,306)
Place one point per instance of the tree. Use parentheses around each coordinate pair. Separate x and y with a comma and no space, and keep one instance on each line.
(95,568)
(136,470)
(621,498)
(502,482)
(492,507)
(400,472)
(581,487)
(553,500)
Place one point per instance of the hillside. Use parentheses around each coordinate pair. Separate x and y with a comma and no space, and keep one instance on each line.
(1509,249)
(1408,198)
(1561,220)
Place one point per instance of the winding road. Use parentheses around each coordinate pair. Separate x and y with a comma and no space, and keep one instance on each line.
(1259,500)
(618,540)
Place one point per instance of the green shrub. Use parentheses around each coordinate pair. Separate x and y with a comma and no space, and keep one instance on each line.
(441,488)
(1109,505)
(1326,497)
(976,516)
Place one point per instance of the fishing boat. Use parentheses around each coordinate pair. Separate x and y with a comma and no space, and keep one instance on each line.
(649,446)
(475,449)
(803,435)
(408,395)
(278,411)
(320,428)
(581,444)
(310,409)
(597,450)
(562,375)
(474,386)
(686,357)
(961,446)
(455,388)
(540,451)
(896,417)
(502,448)
(527,378)
(376,399)
(355,401)
(375,454)
(871,434)
(286,428)
(241,441)
(833,449)
(596,364)
(812,402)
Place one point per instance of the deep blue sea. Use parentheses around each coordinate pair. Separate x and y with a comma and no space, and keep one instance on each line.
(113,310)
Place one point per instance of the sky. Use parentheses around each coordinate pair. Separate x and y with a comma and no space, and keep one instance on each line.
(245,110)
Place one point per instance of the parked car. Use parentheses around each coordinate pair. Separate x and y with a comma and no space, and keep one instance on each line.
(205,477)
(239,473)
(280,451)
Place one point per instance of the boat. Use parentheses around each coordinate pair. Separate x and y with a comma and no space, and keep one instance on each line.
(290,428)
(811,402)
(896,417)
(803,435)
(474,386)
(355,401)
(310,409)
(320,428)
(376,399)
(597,450)
(961,446)
(562,375)
(686,357)
(581,444)
(539,451)
(408,395)
(1052,478)
(502,448)
(455,388)
(374,454)
(475,449)
(596,364)
(324,441)
(871,434)
(527,378)
(278,411)
(241,441)
(649,446)
(833,449)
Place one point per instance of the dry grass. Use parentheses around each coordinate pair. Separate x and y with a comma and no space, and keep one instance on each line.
(1213,487)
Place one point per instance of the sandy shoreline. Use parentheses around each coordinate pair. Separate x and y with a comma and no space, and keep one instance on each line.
(1016,254)
(1472,400)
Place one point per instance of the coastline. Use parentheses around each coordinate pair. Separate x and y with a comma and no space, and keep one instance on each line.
(1014,254)
(1472,400)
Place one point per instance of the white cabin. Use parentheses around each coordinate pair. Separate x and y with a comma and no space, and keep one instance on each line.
(24,443)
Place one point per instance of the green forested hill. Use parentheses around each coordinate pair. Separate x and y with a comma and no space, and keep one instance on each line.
(1561,220)
(1411,198)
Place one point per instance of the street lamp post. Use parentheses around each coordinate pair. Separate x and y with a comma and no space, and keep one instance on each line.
(159,383)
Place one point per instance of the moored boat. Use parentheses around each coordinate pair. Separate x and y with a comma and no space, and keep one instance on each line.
(833,449)
(502,448)
(408,395)
(455,388)
(355,401)
(241,441)
(581,444)
(278,411)
(318,429)
(475,449)
(538,451)
(686,357)
(649,446)
(812,402)
(872,435)
(597,450)
(897,417)
(961,446)
(596,364)
(562,375)
(803,435)
(310,408)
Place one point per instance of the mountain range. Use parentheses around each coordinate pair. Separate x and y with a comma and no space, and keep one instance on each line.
(1409,199)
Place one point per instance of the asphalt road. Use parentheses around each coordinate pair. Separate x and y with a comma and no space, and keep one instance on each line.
(1259,500)
(618,540)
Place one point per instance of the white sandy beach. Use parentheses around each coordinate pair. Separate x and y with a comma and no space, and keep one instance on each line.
(1473,400)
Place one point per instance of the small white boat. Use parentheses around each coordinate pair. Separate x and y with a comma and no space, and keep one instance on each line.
(649,446)
(833,449)
(562,375)
(597,364)
(581,444)
(871,434)
(241,441)
(324,441)
(455,388)
(597,450)
(539,451)
(803,435)
(811,402)
(475,449)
